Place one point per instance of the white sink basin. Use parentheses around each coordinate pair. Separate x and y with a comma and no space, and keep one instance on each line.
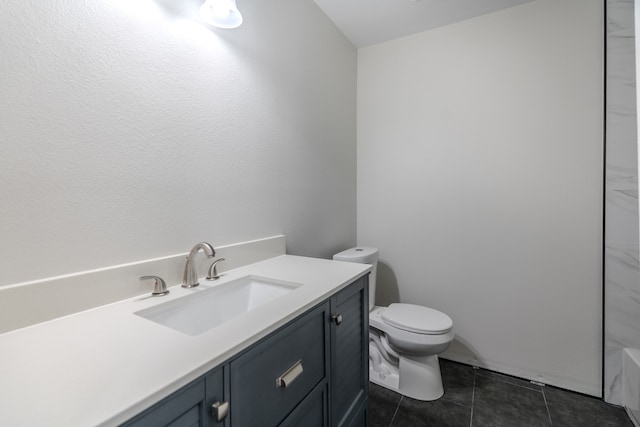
(197,313)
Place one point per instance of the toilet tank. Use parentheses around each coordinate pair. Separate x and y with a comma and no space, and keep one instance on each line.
(363,255)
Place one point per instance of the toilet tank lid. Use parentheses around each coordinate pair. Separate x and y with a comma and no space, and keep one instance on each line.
(359,254)
(417,319)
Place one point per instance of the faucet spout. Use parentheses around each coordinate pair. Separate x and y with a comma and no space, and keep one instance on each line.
(190,276)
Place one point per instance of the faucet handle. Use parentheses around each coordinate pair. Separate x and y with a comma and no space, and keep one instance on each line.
(159,287)
(213,270)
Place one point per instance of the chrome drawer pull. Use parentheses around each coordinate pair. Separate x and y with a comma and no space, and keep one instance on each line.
(220,410)
(290,375)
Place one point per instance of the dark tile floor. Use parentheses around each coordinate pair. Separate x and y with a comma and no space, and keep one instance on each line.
(480,398)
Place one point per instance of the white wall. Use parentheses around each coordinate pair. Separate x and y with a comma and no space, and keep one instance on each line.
(480,180)
(129,133)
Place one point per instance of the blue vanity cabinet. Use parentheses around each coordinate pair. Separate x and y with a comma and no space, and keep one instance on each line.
(312,372)
(349,382)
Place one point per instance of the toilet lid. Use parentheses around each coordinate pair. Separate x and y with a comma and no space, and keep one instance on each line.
(417,319)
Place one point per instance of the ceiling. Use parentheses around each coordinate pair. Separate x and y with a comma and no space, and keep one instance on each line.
(367,22)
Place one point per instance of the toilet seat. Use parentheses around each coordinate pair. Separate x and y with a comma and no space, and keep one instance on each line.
(417,319)
(407,342)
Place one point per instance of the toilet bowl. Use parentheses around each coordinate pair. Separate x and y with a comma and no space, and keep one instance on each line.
(404,339)
(411,337)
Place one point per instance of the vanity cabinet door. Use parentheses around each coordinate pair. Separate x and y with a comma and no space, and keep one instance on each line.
(270,379)
(185,408)
(349,385)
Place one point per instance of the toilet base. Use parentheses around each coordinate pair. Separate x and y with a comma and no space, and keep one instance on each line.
(416,377)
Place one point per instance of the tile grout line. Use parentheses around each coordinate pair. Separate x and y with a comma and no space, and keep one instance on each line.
(505,381)
(397,409)
(473,399)
(546,405)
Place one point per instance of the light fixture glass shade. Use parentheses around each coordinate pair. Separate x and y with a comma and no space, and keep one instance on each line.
(221,13)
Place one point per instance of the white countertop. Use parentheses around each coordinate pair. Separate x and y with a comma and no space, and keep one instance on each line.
(105,365)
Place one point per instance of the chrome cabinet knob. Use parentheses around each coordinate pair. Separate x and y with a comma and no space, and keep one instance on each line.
(220,410)
(337,319)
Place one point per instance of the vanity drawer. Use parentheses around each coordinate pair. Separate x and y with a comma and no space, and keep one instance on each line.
(282,369)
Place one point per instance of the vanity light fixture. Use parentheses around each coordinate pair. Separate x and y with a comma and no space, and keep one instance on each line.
(221,13)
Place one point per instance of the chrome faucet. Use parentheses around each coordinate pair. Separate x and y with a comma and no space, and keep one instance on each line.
(190,276)
(213,270)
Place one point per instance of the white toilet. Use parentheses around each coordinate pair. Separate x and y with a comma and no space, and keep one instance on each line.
(404,339)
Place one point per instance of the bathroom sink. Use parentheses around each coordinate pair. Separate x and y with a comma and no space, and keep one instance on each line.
(197,313)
